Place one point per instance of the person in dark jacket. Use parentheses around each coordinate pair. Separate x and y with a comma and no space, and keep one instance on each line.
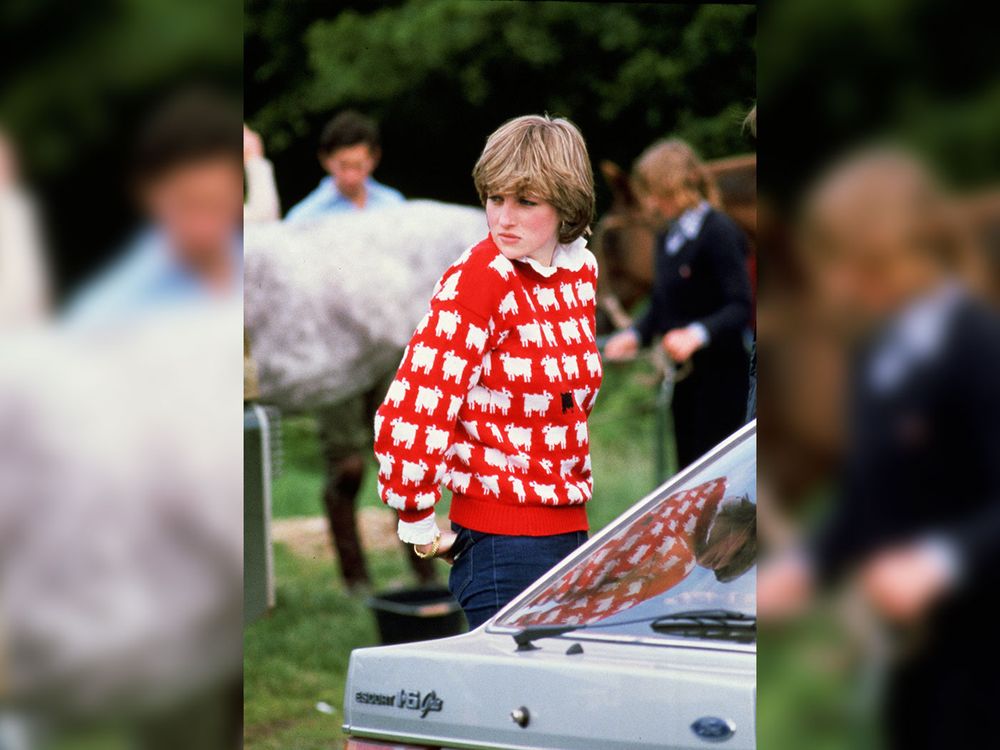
(701,302)
(917,510)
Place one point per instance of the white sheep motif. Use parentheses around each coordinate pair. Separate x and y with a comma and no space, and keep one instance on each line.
(508,305)
(500,400)
(566,289)
(593,361)
(519,437)
(490,483)
(518,462)
(573,494)
(423,358)
(459,481)
(570,366)
(471,427)
(584,291)
(436,440)
(462,451)
(449,290)
(518,487)
(569,331)
(447,324)
(427,400)
(581,433)
(453,366)
(403,432)
(551,367)
(546,297)
(585,327)
(479,398)
(397,391)
(413,472)
(475,338)
(425,500)
(530,333)
(549,332)
(453,408)
(495,458)
(395,500)
(502,266)
(385,462)
(516,367)
(566,466)
(555,435)
(545,492)
(536,403)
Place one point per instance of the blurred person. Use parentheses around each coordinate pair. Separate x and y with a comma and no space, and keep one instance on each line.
(701,301)
(188,180)
(349,151)
(262,203)
(494,390)
(917,517)
(24,285)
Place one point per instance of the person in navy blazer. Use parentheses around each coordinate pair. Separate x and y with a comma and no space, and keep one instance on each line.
(700,306)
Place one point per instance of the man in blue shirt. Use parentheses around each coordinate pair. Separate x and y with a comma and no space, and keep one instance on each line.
(349,151)
(187,172)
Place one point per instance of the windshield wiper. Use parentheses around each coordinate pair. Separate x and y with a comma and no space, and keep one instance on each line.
(700,619)
(709,623)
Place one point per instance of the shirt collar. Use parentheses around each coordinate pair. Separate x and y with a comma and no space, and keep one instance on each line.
(687,226)
(571,256)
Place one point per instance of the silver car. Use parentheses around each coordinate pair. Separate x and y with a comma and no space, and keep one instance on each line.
(645,637)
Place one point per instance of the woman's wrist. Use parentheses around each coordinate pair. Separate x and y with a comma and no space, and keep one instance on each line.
(425,551)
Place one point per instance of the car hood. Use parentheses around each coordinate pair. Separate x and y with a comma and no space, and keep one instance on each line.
(460,692)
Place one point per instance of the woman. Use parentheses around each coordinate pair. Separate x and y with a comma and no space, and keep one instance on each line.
(700,304)
(494,389)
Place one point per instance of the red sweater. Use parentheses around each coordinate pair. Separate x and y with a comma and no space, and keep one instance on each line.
(492,398)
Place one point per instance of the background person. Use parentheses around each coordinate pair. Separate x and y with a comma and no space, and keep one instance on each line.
(187,172)
(349,151)
(917,511)
(493,393)
(701,303)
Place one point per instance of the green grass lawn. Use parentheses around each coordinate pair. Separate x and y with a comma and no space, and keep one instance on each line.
(298,654)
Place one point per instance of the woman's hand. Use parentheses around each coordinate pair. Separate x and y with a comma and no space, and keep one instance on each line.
(444,546)
(681,343)
(623,345)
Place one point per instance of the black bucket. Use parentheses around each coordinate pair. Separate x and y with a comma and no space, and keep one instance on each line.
(416,614)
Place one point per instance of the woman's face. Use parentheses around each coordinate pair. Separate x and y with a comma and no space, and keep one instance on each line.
(522,226)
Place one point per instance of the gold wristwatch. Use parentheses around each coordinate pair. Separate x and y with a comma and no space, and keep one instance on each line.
(433,550)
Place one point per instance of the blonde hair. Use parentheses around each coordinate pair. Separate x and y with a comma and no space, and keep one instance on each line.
(543,157)
(671,168)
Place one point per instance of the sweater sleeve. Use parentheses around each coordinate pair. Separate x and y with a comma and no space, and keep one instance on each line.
(726,251)
(413,426)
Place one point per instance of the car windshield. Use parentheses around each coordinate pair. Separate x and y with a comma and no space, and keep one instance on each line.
(690,546)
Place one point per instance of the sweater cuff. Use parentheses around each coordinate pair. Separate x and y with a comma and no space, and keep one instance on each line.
(699,330)
(423,531)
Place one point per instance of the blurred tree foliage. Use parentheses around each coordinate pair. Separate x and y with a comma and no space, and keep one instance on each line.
(440,75)
(77,80)
(924,73)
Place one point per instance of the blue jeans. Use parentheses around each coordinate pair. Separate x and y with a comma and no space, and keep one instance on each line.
(492,569)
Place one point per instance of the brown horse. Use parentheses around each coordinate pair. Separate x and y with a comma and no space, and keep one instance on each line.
(623,238)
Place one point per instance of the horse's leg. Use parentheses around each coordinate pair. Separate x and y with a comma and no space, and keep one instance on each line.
(344,476)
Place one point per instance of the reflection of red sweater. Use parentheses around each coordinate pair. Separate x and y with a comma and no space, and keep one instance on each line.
(643,560)
(492,397)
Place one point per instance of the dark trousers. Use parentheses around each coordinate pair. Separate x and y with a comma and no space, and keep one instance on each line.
(492,569)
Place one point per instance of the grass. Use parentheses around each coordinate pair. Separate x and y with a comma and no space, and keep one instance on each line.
(297,656)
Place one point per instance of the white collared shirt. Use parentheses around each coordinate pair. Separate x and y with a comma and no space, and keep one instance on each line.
(571,256)
(686,227)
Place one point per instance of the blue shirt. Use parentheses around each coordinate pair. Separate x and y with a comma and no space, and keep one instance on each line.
(147,278)
(326,199)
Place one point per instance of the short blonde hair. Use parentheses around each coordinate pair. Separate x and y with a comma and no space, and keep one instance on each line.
(671,168)
(544,157)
